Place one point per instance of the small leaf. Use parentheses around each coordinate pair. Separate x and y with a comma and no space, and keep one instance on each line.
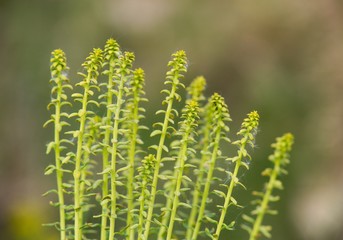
(165,148)
(49,169)
(278,184)
(185,205)
(248,218)
(246,228)
(219,193)
(76,134)
(187,178)
(77,95)
(105,201)
(155,132)
(107,170)
(50,191)
(48,122)
(50,146)
(233,200)
(265,230)
(66,159)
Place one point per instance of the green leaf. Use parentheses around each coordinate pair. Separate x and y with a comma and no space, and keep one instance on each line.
(234,201)
(49,147)
(182,204)
(265,230)
(186,178)
(49,169)
(105,171)
(77,95)
(219,193)
(155,132)
(50,191)
(48,122)
(66,159)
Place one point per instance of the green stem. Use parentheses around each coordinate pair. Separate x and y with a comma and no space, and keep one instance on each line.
(141,210)
(207,185)
(228,195)
(86,161)
(105,156)
(168,206)
(176,193)
(196,193)
(59,172)
(132,153)
(77,171)
(114,159)
(264,205)
(158,162)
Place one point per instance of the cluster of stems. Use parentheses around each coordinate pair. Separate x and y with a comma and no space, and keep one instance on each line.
(111,185)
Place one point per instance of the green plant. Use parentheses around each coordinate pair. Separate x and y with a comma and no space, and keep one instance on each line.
(162,191)
(279,158)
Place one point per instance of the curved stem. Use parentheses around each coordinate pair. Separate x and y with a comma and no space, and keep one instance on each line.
(158,162)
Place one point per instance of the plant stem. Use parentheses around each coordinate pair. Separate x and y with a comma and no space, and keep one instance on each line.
(86,161)
(228,195)
(168,206)
(113,215)
(132,153)
(141,210)
(148,164)
(77,171)
(180,167)
(248,131)
(158,162)
(208,184)
(264,205)
(105,155)
(59,172)
(196,193)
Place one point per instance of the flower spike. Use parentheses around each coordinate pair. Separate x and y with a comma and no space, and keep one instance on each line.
(280,158)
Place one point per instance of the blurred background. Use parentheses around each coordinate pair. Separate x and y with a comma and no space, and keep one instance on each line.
(281,58)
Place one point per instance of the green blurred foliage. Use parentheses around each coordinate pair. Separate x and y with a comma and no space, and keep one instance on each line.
(280,58)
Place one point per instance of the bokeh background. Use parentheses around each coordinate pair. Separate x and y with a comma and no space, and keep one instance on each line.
(281,58)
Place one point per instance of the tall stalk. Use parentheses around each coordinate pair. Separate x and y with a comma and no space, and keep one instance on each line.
(111,56)
(58,69)
(91,66)
(178,66)
(122,72)
(145,175)
(91,137)
(190,117)
(195,93)
(248,132)
(204,144)
(279,158)
(220,117)
(137,84)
